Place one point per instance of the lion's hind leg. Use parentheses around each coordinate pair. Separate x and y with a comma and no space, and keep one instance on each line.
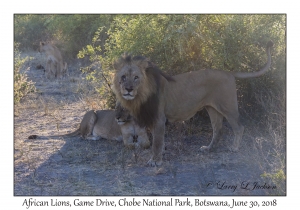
(238,129)
(87,124)
(216,120)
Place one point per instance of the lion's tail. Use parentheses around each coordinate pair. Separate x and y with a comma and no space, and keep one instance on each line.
(244,75)
(75,133)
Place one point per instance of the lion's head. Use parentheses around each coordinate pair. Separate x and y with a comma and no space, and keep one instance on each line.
(122,114)
(131,78)
(137,85)
(45,46)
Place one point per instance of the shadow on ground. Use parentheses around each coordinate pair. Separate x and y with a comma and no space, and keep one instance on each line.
(105,167)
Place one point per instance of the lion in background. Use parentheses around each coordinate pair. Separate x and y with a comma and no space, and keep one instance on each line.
(109,124)
(55,67)
(152,97)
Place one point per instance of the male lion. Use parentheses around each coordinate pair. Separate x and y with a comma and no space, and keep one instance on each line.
(151,97)
(55,67)
(109,124)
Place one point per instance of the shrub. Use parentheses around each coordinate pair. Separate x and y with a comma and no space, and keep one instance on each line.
(69,32)
(181,43)
(21,84)
(29,30)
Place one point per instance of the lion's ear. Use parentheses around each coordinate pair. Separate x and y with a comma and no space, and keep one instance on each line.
(118,64)
(144,64)
(42,43)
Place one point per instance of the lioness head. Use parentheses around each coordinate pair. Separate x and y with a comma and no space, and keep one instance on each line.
(44,46)
(122,115)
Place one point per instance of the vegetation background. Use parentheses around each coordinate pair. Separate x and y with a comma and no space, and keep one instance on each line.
(177,44)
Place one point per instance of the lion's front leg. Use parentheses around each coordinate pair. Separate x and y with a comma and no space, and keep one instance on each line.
(143,141)
(48,69)
(128,141)
(158,133)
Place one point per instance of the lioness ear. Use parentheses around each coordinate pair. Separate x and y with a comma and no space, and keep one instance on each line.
(42,43)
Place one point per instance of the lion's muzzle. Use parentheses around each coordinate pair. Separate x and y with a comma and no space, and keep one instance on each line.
(128,96)
(121,122)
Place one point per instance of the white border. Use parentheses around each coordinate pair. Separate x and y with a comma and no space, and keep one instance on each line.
(153,6)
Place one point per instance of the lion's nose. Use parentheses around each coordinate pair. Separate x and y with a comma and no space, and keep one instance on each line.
(129,89)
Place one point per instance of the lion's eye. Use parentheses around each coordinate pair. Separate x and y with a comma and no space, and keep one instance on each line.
(123,78)
(136,77)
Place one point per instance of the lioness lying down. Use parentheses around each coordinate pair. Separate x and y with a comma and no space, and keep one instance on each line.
(110,124)
(134,136)
(151,97)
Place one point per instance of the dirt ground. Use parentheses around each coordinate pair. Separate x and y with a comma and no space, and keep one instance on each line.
(72,166)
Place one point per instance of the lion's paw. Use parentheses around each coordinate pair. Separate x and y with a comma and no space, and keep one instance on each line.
(153,163)
(143,145)
(130,146)
(204,149)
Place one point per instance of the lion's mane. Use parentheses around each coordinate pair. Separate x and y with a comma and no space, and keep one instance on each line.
(145,106)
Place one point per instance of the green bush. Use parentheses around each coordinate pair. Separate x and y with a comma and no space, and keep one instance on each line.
(21,84)
(176,43)
(29,30)
(69,32)
(181,43)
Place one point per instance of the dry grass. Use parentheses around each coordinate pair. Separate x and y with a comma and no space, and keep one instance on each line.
(272,143)
(71,166)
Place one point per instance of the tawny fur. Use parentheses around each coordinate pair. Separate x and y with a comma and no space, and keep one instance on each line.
(94,126)
(142,89)
(134,136)
(109,124)
(55,67)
